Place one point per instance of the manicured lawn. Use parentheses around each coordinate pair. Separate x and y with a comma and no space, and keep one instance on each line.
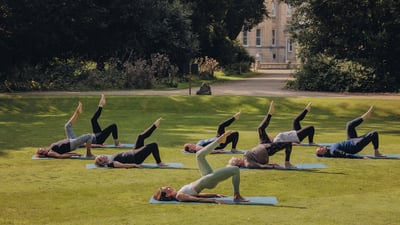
(65,192)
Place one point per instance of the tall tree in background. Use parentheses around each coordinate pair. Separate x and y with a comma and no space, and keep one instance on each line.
(363,32)
(217,23)
(36,31)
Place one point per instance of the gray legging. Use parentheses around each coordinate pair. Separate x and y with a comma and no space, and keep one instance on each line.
(75,141)
(211,178)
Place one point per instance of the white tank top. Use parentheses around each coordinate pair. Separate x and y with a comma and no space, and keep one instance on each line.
(188,189)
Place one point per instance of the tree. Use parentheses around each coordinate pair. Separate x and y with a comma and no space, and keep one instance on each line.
(217,23)
(364,32)
(36,31)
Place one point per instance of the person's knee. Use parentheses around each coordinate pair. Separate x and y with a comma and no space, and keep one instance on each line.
(234,169)
(234,135)
(153,145)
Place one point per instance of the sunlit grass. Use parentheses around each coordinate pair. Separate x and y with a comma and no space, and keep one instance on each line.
(65,192)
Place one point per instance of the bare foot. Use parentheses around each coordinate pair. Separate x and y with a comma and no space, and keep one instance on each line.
(239,198)
(237,115)
(162,164)
(117,143)
(308,107)
(102,101)
(234,150)
(288,165)
(378,154)
(368,113)
(271,108)
(157,122)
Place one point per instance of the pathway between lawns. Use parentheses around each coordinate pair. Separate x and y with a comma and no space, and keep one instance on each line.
(270,83)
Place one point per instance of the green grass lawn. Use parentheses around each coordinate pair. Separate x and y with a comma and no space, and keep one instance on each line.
(65,192)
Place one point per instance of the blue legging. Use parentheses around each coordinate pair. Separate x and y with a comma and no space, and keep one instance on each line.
(360,141)
(209,178)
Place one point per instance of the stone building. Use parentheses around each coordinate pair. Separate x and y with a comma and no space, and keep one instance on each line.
(270,42)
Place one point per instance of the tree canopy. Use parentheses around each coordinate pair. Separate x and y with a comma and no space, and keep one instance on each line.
(363,33)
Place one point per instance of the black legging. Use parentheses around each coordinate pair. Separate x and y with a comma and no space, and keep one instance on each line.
(262,133)
(102,135)
(232,138)
(142,153)
(303,132)
(361,141)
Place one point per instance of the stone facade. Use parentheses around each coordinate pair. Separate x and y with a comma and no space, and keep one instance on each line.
(270,42)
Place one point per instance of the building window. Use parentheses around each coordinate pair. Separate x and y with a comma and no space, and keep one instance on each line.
(273,37)
(288,10)
(258,37)
(289,45)
(245,38)
(273,9)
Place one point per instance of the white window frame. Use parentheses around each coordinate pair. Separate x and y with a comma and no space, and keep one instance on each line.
(289,45)
(273,9)
(258,37)
(245,36)
(288,10)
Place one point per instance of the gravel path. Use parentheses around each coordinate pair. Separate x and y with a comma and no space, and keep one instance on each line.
(269,83)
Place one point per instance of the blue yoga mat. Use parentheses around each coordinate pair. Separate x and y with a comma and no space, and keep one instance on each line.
(143,165)
(72,157)
(224,152)
(388,156)
(112,146)
(298,167)
(259,200)
(316,144)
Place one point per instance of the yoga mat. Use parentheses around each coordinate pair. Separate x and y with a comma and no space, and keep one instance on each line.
(259,200)
(72,157)
(225,152)
(112,146)
(144,165)
(316,144)
(299,167)
(388,156)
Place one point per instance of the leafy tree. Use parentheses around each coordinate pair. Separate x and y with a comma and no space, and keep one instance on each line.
(217,23)
(37,31)
(364,32)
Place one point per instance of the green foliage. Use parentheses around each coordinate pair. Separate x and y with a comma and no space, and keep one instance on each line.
(83,75)
(65,192)
(361,32)
(322,73)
